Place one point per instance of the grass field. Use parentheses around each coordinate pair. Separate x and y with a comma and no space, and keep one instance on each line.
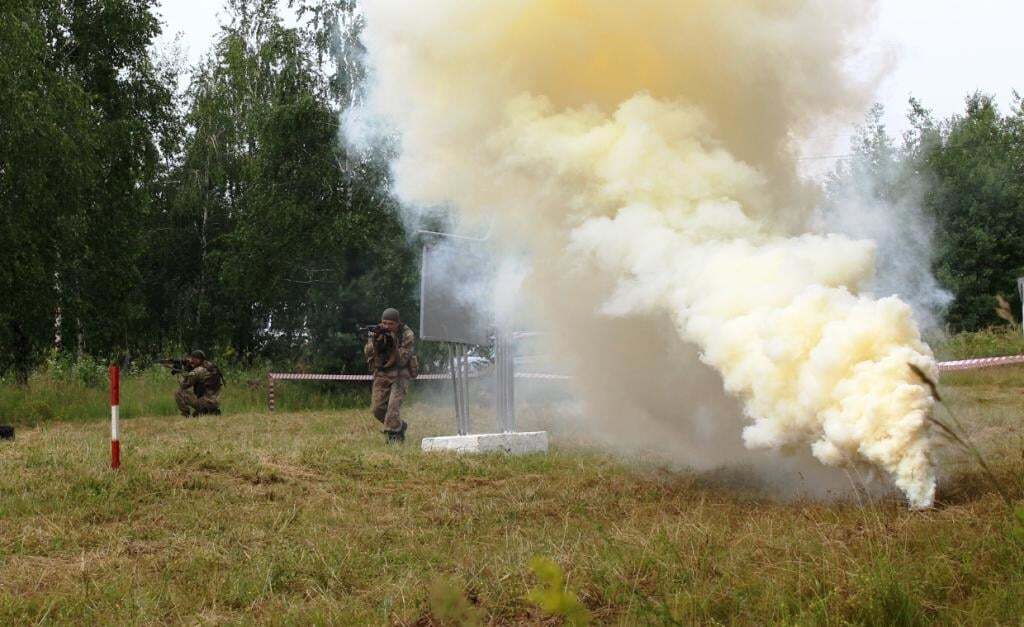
(307,518)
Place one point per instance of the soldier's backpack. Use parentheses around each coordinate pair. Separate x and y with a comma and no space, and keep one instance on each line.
(216,380)
(213,383)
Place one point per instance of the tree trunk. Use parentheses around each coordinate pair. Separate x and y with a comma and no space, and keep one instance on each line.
(22,350)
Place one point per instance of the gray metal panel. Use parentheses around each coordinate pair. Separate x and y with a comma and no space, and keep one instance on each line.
(456,293)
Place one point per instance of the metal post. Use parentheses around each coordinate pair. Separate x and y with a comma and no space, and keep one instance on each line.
(499,381)
(1020,290)
(504,381)
(459,361)
(510,392)
(453,368)
(464,382)
(270,393)
(115,417)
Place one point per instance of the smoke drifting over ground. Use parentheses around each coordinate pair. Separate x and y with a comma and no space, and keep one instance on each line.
(639,153)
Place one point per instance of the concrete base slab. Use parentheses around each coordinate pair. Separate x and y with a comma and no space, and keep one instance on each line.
(512,443)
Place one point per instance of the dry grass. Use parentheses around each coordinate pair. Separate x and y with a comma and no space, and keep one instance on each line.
(310,519)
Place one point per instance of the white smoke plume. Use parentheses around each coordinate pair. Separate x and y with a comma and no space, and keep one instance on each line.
(640,155)
(878,194)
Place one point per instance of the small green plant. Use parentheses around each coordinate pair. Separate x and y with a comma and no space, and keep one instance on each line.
(449,606)
(69,368)
(553,596)
(91,374)
(38,411)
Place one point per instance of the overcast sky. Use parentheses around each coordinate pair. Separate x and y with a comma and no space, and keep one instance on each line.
(944,49)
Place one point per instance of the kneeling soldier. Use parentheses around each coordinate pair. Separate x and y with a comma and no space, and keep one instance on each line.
(199,392)
(390,355)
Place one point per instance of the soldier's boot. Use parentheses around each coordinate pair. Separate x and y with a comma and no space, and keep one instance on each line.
(397,437)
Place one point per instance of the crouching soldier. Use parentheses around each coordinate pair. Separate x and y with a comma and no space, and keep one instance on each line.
(199,392)
(391,356)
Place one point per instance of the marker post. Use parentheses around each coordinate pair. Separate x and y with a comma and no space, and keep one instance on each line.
(115,415)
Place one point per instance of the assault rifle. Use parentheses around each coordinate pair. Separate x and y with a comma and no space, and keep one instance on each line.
(177,366)
(375,329)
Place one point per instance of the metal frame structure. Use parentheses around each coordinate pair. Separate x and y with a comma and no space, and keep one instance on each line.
(458,359)
(458,352)
(504,380)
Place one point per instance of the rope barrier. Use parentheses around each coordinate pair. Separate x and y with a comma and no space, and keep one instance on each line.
(978,364)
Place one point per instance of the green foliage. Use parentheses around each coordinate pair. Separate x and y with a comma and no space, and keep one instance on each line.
(285,240)
(309,518)
(949,201)
(1017,531)
(77,391)
(138,221)
(553,596)
(84,115)
(976,196)
(887,600)
(991,342)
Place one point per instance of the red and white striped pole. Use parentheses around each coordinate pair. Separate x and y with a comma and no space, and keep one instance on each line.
(115,415)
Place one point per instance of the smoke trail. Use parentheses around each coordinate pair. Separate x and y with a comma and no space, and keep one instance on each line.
(640,154)
(879,195)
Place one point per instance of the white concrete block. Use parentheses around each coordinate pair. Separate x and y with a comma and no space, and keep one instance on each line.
(512,443)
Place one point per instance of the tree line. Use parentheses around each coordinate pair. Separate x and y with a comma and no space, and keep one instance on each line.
(140,220)
(137,218)
(951,194)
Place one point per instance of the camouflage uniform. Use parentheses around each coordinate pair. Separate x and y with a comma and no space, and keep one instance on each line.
(388,358)
(200,390)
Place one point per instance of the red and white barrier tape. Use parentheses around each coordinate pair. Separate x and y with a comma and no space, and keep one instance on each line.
(977,364)
(542,376)
(284,376)
(945,366)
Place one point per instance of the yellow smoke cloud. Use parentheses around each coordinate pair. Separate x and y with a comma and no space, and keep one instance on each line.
(641,154)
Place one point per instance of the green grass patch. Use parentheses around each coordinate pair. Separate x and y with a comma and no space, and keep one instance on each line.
(308,518)
(53,396)
(994,342)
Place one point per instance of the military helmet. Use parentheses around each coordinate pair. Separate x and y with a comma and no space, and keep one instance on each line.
(391,314)
(198,354)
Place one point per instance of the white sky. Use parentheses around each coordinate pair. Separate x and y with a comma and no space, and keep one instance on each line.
(949,48)
(944,49)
